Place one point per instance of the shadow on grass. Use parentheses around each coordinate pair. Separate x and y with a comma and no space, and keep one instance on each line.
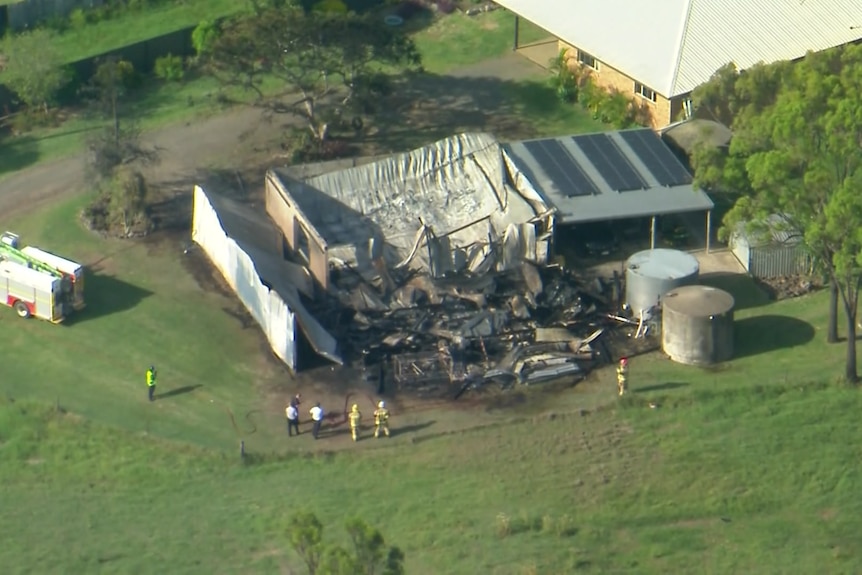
(745,291)
(18,152)
(178,391)
(660,387)
(396,431)
(426,107)
(766,333)
(106,295)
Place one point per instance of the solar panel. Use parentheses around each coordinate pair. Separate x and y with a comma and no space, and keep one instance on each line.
(657,157)
(614,167)
(559,165)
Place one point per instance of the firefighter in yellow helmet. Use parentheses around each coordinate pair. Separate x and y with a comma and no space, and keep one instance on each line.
(623,376)
(381,420)
(355,417)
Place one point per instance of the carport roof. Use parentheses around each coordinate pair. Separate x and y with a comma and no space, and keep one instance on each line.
(608,176)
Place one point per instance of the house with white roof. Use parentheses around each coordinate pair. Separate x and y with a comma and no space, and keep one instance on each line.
(660,51)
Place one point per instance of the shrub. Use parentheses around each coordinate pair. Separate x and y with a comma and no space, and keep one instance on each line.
(169,68)
(503,525)
(564,80)
(203,36)
(77,19)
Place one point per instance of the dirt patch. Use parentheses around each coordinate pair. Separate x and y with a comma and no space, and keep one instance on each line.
(787,287)
(828,514)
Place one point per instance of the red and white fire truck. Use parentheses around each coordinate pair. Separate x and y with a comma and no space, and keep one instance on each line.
(36,283)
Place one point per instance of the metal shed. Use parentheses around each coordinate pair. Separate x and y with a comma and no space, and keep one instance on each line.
(773,251)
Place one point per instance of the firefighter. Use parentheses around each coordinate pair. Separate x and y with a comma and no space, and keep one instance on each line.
(381,420)
(151,383)
(623,376)
(355,417)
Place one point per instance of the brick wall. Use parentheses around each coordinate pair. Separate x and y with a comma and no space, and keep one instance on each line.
(662,112)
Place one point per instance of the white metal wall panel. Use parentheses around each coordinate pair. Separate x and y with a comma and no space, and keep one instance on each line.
(268,309)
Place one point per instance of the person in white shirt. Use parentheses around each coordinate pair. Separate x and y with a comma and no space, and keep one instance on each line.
(316,419)
(292,414)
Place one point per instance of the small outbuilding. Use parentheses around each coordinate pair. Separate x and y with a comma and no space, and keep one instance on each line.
(771,250)
(697,325)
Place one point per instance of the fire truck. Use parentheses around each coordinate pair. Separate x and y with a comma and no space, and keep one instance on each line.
(36,283)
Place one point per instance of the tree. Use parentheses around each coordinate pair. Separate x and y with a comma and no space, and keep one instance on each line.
(305,535)
(369,554)
(127,202)
(118,143)
(34,69)
(796,154)
(328,62)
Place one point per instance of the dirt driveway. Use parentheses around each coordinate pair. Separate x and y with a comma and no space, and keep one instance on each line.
(242,137)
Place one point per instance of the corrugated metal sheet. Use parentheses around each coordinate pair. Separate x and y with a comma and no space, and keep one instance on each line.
(746,32)
(673,46)
(776,261)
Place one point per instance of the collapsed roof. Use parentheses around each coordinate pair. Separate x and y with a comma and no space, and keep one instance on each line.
(454,197)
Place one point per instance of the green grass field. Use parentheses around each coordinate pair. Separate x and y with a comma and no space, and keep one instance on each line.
(751,467)
(136,26)
(748,468)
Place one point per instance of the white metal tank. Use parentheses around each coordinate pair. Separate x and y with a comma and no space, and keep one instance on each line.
(697,325)
(652,273)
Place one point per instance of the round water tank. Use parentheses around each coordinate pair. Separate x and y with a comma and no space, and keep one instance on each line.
(652,273)
(697,325)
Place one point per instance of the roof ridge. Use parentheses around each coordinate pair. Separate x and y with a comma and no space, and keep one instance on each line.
(680,47)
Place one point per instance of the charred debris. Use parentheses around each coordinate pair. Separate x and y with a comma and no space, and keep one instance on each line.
(444,336)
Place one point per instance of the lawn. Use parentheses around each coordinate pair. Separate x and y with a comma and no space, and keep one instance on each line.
(747,468)
(458,41)
(143,308)
(136,26)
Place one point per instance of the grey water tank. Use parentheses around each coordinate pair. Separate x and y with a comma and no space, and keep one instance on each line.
(697,325)
(652,273)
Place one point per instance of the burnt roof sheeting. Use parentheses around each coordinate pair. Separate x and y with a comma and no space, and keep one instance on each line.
(456,186)
(666,187)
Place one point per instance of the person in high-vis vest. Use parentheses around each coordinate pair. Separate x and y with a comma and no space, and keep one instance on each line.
(623,376)
(381,420)
(355,418)
(151,383)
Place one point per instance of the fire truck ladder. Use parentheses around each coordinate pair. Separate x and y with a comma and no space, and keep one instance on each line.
(9,251)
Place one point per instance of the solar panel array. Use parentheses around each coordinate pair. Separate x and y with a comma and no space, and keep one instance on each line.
(559,165)
(657,157)
(610,162)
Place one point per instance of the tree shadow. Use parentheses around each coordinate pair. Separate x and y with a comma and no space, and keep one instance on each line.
(18,152)
(425,107)
(106,295)
(660,387)
(744,289)
(178,391)
(765,333)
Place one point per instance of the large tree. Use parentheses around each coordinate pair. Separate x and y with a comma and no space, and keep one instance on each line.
(796,154)
(327,65)
(34,69)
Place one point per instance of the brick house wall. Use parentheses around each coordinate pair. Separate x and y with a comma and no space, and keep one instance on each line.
(663,111)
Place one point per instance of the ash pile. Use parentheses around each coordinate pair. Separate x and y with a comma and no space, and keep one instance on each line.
(440,337)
